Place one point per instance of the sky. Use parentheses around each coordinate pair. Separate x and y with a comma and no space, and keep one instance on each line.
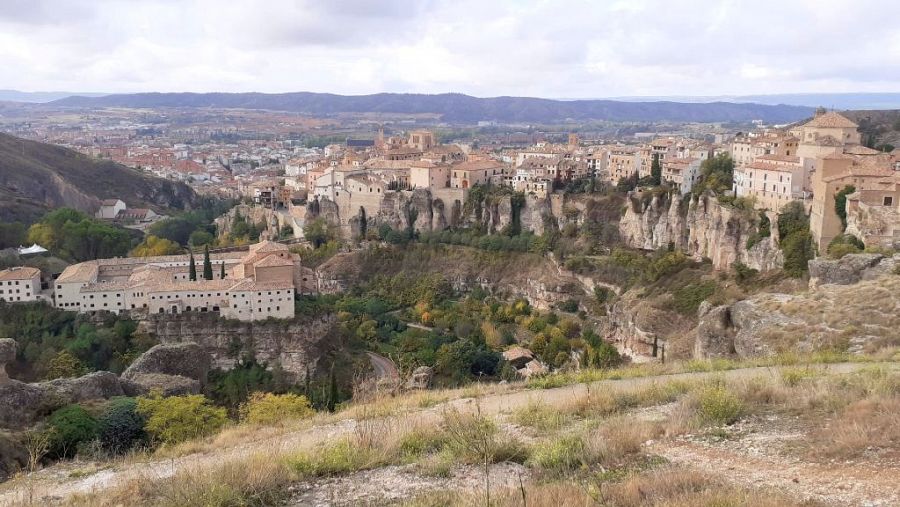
(555,49)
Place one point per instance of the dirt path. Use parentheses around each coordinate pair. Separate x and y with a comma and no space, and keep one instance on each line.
(384,367)
(58,482)
(833,483)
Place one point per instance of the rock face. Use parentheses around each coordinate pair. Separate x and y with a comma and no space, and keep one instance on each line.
(704,228)
(862,317)
(294,345)
(22,404)
(715,332)
(850,269)
(173,369)
(13,456)
(421,378)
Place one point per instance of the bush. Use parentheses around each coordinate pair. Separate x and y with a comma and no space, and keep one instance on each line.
(743,272)
(70,426)
(569,305)
(178,418)
(844,244)
(269,408)
(562,454)
(718,405)
(687,298)
(121,427)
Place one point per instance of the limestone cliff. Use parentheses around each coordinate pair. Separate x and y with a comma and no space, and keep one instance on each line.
(702,227)
(295,345)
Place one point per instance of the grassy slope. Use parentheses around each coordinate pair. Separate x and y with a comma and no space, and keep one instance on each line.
(35,177)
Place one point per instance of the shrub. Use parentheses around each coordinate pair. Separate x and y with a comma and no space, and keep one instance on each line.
(840,204)
(178,418)
(844,244)
(718,405)
(743,272)
(269,408)
(687,298)
(562,454)
(569,305)
(120,426)
(69,426)
(603,355)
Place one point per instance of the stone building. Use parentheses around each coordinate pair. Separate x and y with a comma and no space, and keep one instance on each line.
(258,284)
(20,284)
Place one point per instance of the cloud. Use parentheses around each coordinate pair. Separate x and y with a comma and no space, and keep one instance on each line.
(563,48)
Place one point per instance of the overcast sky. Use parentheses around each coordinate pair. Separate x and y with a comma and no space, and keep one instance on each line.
(560,49)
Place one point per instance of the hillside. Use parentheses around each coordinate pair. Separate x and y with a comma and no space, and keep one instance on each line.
(35,177)
(878,127)
(455,107)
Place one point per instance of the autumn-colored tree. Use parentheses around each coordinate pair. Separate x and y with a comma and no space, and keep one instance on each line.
(153,246)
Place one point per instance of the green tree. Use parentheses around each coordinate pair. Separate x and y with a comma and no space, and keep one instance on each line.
(716,175)
(64,365)
(222,271)
(192,269)
(70,425)
(200,237)
(656,170)
(207,265)
(363,223)
(317,232)
(840,204)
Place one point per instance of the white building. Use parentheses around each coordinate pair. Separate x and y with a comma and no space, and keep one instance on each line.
(110,208)
(20,284)
(257,285)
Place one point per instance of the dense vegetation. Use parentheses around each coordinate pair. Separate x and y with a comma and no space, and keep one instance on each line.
(194,228)
(54,343)
(75,236)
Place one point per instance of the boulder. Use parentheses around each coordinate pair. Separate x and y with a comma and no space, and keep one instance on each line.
(166,385)
(715,332)
(847,270)
(518,356)
(532,368)
(187,360)
(7,355)
(93,386)
(22,404)
(421,378)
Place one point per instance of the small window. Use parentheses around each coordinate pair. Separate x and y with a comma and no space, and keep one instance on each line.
(888,200)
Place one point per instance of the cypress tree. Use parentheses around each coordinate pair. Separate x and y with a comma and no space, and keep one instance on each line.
(332,391)
(192,270)
(207,265)
(222,274)
(363,223)
(656,170)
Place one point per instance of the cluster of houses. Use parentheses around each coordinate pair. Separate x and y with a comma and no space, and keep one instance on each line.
(812,163)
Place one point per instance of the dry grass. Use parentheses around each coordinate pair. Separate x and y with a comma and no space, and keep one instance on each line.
(670,487)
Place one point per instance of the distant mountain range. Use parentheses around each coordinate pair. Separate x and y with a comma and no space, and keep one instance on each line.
(37,177)
(39,97)
(840,101)
(457,108)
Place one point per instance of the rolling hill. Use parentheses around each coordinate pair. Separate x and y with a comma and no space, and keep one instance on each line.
(36,177)
(455,107)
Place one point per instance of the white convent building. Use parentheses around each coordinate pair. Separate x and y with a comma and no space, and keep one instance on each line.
(258,284)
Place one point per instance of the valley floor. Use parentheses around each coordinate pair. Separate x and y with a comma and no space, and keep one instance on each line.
(766,456)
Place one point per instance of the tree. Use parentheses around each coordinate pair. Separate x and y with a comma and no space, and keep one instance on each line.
(200,237)
(64,365)
(796,241)
(222,273)
(178,418)
(840,204)
(363,223)
(192,269)
(332,391)
(716,175)
(656,170)
(153,246)
(207,265)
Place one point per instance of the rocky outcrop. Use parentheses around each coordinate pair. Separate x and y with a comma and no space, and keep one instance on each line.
(420,378)
(13,456)
(294,345)
(715,332)
(252,214)
(172,369)
(701,227)
(22,404)
(862,317)
(850,269)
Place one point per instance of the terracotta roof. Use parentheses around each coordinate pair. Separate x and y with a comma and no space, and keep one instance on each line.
(268,246)
(860,150)
(273,261)
(82,272)
(477,165)
(250,285)
(830,120)
(109,202)
(763,166)
(780,158)
(19,273)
